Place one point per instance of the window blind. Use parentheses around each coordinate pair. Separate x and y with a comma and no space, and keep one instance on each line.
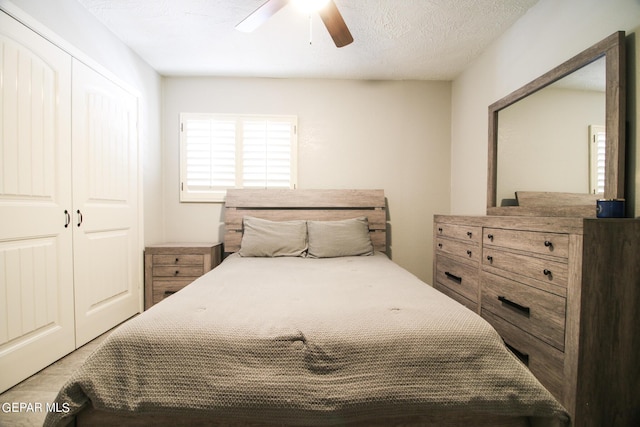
(222,151)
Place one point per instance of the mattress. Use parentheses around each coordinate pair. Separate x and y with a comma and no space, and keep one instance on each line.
(305,341)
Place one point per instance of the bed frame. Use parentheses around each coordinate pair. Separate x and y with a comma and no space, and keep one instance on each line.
(318,205)
(311,205)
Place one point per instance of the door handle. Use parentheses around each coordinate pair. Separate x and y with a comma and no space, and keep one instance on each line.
(79,217)
(67,218)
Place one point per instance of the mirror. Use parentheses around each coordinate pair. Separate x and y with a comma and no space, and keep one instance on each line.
(556,145)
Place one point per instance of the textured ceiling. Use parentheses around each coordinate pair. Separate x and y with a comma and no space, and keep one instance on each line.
(394,39)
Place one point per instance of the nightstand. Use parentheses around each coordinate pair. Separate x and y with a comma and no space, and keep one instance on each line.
(169,267)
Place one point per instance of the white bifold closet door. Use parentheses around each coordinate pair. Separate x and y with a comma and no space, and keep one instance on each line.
(70,251)
(107,259)
(36,267)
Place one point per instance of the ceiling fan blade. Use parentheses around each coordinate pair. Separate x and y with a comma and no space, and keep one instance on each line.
(336,26)
(260,15)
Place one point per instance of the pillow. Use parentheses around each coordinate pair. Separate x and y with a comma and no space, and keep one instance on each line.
(347,237)
(264,238)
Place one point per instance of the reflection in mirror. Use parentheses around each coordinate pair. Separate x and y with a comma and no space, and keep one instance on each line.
(540,137)
(544,141)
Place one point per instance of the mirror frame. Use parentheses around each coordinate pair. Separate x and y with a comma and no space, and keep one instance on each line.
(563,204)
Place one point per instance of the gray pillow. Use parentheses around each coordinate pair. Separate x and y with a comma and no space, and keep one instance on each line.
(264,238)
(349,237)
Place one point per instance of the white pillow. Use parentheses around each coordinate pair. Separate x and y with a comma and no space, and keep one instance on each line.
(349,237)
(264,238)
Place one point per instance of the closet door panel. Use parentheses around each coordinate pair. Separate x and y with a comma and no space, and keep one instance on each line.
(105,182)
(36,273)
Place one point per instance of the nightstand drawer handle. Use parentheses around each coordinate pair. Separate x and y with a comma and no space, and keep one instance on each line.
(453,277)
(522,309)
(524,357)
(168,293)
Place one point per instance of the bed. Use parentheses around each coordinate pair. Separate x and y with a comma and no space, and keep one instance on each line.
(315,326)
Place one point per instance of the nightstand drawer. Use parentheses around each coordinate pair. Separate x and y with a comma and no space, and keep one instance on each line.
(540,313)
(458,276)
(165,288)
(553,244)
(550,272)
(461,232)
(178,259)
(458,248)
(178,271)
(543,360)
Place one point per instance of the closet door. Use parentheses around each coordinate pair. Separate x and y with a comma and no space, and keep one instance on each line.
(107,255)
(36,273)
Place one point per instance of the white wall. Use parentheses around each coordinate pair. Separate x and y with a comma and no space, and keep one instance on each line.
(74,29)
(352,134)
(551,32)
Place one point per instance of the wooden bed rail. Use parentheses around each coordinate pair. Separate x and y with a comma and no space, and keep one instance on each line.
(316,205)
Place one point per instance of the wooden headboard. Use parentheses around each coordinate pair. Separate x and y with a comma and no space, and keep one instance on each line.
(318,205)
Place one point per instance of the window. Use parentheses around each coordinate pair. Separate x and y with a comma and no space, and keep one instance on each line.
(597,139)
(220,151)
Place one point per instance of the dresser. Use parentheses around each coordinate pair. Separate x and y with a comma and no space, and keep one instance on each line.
(562,293)
(169,267)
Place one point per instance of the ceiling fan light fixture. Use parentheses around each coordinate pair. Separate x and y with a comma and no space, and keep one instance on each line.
(309,6)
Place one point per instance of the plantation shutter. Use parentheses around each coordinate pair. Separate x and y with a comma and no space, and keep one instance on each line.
(597,152)
(222,151)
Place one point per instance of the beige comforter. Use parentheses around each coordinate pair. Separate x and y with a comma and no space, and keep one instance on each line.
(306,341)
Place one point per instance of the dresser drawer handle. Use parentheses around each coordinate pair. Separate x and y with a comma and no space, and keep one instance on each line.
(168,293)
(489,258)
(548,244)
(440,245)
(177,260)
(547,273)
(524,357)
(176,273)
(470,234)
(469,252)
(440,230)
(453,277)
(490,237)
(522,309)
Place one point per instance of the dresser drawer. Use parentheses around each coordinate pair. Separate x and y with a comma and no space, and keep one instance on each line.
(540,313)
(554,244)
(458,276)
(178,271)
(462,232)
(455,247)
(471,305)
(165,288)
(543,360)
(178,259)
(550,272)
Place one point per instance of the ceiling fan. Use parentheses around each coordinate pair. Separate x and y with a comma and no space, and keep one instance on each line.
(326,9)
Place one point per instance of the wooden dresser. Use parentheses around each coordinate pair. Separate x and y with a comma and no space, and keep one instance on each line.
(170,267)
(563,293)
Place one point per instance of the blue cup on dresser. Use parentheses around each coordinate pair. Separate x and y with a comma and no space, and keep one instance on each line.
(610,208)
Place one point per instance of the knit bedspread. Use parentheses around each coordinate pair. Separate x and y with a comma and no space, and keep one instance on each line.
(303,341)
